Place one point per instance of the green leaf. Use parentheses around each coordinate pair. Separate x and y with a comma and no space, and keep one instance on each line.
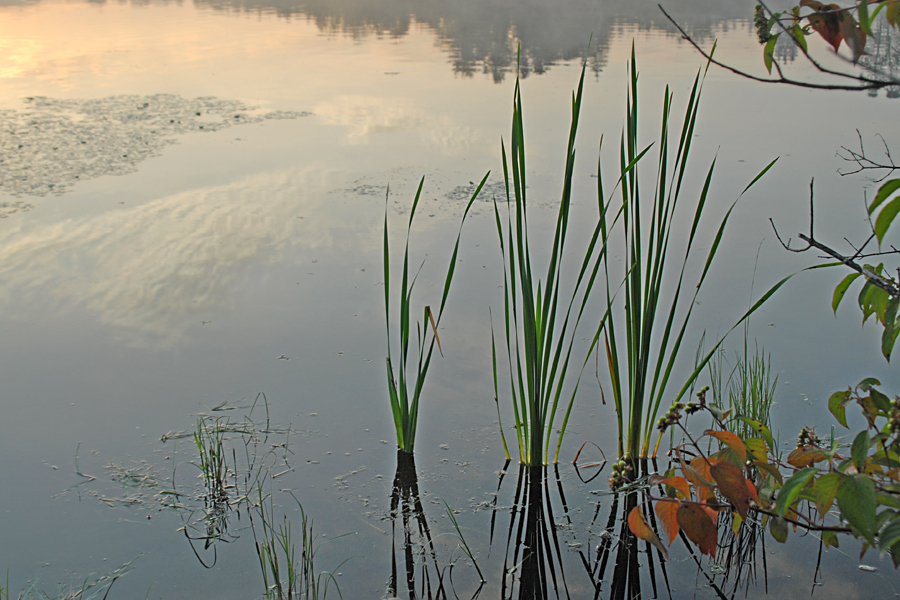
(860,450)
(886,217)
(889,500)
(884,192)
(890,535)
(791,489)
(881,401)
(856,501)
(830,539)
(757,448)
(768,51)
(825,489)
(778,527)
(799,36)
(868,383)
(841,289)
(837,406)
(864,21)
(891,328)
(718,412)
(762,430)
(866,300)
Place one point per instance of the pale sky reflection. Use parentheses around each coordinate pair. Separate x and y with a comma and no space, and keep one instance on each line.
(154,268)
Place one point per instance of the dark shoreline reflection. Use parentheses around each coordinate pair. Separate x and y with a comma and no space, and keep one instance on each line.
(483,36)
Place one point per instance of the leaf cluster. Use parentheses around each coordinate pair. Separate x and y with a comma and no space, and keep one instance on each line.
(835,24)
(824,486)
(880,294)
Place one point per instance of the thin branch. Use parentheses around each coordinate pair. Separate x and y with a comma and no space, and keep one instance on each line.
(864,163)
(811,242)
(865,83)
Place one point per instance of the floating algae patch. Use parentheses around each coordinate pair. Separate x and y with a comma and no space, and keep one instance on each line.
(52,143)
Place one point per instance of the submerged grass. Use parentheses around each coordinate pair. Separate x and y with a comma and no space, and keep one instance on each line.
(643,335)
(287,576)
(405,392)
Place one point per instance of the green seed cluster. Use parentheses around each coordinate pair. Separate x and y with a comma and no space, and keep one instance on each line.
(621,474)
(671,417)
(762,24)
(894,419)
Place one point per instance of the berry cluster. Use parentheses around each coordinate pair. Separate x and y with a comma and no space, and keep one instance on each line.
(894,418)
(671,417)
(762,24)
(622,473)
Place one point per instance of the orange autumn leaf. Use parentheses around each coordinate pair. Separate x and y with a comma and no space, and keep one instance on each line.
(751,489)
(679,483)
(732,441)
(698,527)
(638,526)
(705,484)
(806,456)
(667,512)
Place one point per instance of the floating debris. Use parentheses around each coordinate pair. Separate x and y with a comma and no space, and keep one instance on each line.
(53,143)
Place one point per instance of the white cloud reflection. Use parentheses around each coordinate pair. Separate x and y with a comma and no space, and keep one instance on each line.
(152,269)
(366,116)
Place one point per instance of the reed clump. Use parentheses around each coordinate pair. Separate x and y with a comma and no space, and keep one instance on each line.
(540,316)
(406,380)
(644,334)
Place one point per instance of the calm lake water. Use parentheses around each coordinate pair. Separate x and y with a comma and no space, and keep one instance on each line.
(193,196)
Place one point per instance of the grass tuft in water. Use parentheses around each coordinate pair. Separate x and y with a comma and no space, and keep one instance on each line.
(540,317)
(209,438)
(405,392)
(92,587)
(748,390)
(644,334)
(287,576)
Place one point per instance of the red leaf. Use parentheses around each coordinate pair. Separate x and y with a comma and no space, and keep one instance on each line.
(699,528)
(827,23)
(732,485)
(638,526)
(667,512)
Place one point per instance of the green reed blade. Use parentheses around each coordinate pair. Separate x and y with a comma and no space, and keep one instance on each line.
(405,405)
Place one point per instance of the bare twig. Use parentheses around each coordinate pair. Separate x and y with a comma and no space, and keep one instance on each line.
(864,163)
(864,82)
(811,242)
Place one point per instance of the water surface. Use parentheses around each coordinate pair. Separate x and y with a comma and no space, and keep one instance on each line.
(193,197)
